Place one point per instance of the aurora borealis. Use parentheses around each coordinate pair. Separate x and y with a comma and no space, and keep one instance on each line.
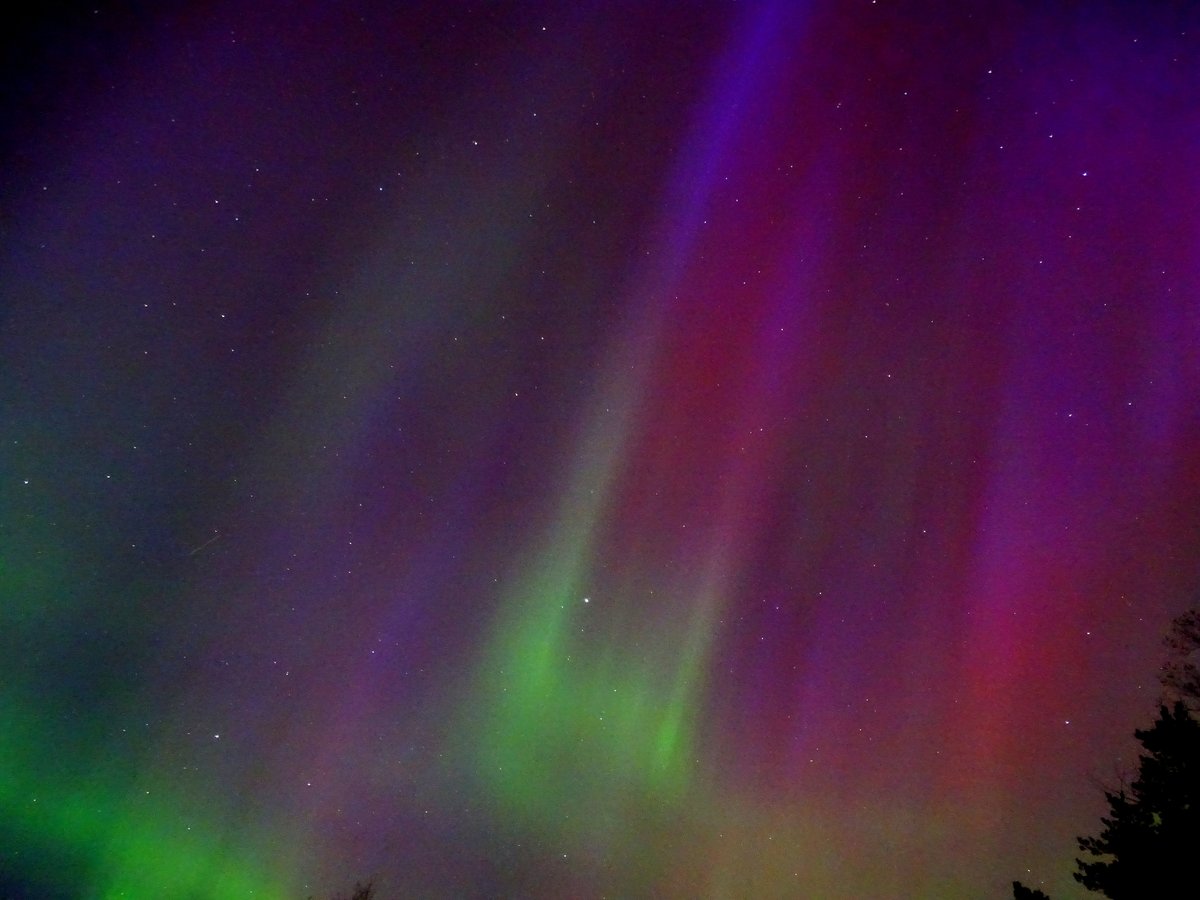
(587,449)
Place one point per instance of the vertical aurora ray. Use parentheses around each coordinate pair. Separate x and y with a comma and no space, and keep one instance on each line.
(696,450)
(592,689)
(563,723)
(547,753)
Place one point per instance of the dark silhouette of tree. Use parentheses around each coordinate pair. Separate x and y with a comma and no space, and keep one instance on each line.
(1150,843)
(361,892)
(1180,676)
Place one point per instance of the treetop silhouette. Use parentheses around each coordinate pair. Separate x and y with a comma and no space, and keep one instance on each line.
(1149,841)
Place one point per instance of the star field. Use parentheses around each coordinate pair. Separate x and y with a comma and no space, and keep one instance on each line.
(588,450)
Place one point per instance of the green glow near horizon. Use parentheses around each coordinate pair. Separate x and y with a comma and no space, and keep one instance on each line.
(85,827)
(89,824)
(573,728)
(570,730)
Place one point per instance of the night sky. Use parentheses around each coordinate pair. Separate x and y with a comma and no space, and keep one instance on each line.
(589,449)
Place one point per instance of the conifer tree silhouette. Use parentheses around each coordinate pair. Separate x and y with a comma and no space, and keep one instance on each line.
(1150,843)
(1180,676)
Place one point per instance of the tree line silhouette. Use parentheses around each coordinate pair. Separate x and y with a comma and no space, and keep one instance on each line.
(1145,843)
